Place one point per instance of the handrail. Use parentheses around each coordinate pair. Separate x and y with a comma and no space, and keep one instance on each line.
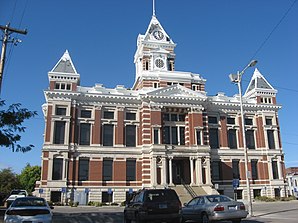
(189,189)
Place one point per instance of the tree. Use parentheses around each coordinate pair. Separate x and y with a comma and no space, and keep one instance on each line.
(11,121)
(8,180)
(28,177)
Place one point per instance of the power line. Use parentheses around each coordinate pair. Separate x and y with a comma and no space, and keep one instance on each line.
(264,42)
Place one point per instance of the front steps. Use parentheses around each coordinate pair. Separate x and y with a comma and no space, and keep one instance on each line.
(184,195)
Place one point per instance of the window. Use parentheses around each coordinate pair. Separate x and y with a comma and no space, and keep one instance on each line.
(254,169)
(239,194)
(235,166)
(250,139)
(57,169)
(270,136)
(85,114)
(130,135)
(107,169)
(174,117)
(60,111)
(83,169)
(198,135)
(231,121)
(155,85)
(108,135)
(130,170)
(84,134)
(156,136)
(275,170)
(212,120)
(63,86)
(108,115)
(130,116)
(216,170)
(232,139)
(257,193)
(106,197)
(174,135)
(213,138)
(248,121)
(181,117)
(59,132)
(268,121)
(166,117)
(146,67)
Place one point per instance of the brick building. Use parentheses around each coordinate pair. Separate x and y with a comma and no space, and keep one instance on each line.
(101,144)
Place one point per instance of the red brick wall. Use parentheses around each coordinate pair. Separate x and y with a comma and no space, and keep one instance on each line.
(223,132)
(96,133)
(260,133)
(227,170)
(119,170)
(95,173)
(119,136)
(45,164)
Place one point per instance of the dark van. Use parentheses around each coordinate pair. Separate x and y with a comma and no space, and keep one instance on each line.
(154,205)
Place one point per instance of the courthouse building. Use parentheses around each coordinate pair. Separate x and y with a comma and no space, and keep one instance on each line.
(101,144)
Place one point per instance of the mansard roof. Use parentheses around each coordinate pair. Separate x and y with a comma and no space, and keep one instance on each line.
(258,84)
(65,65)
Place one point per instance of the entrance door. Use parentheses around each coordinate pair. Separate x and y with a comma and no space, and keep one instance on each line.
(177,171)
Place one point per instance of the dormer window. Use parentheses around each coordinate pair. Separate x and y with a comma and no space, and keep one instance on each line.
(266,100)
(63,86)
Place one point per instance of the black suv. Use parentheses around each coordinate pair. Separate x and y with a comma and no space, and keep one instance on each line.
(153,205)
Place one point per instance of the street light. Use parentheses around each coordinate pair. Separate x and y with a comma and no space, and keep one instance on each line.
(237,78)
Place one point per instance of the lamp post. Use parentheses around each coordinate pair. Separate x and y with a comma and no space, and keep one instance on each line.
(237,78)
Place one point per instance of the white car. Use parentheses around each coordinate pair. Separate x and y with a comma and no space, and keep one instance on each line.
(15,194)
(29,209)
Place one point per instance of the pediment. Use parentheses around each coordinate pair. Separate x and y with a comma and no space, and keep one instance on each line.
(177,91)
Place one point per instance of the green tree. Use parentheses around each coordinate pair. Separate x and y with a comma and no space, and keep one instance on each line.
(11,121)
(8,181)
(28,177)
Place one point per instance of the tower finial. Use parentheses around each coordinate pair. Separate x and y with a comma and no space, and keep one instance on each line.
(153,7)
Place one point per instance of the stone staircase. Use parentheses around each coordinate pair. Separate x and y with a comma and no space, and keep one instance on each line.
(185,195)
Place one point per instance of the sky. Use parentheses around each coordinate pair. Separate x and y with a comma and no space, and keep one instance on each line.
(214,38)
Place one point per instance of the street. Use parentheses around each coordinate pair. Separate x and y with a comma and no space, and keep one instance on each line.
(271,212)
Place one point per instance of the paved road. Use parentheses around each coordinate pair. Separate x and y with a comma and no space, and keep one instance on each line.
(275,212)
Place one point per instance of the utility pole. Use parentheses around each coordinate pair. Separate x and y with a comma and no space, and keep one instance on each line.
(6,39)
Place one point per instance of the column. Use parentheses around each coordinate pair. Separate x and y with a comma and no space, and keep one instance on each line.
(270,174)
(153,169)
(208,171)
(170,171)
(164,172)
(199,171)
(279,167)
(191,170)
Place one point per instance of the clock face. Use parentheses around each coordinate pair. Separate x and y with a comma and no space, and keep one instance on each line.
(159,63)
(158,35)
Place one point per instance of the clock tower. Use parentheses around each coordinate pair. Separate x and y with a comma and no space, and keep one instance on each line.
(155,52)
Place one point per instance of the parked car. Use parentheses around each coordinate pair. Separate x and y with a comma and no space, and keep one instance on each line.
(16,193)
(153,205)
(28,209)
(209,208)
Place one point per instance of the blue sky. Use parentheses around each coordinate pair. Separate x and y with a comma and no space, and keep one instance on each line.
(214,38)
